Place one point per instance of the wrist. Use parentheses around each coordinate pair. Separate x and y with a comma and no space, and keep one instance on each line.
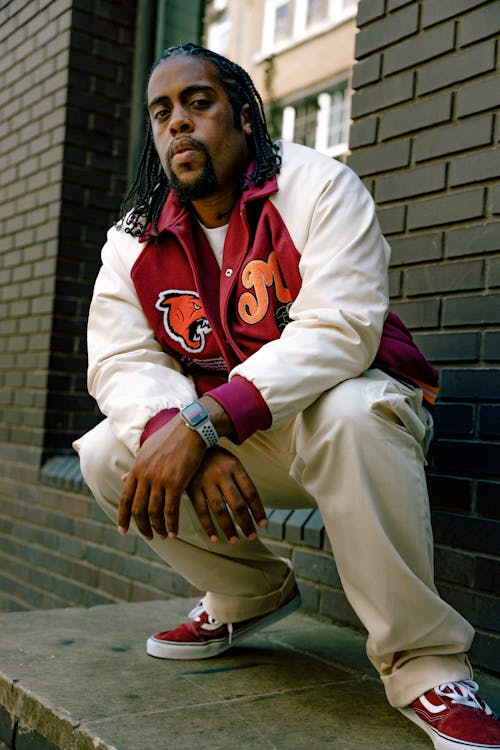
(219,416)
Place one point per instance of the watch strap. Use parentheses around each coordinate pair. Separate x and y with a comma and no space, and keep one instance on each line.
(208,433)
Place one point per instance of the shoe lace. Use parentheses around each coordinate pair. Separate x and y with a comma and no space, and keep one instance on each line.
(464,693)
(196,613)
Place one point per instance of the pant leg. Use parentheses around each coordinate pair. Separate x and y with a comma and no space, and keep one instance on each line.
(359,453)
(242,580)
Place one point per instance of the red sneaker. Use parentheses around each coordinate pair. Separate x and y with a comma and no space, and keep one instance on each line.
(204,636)
(455,718)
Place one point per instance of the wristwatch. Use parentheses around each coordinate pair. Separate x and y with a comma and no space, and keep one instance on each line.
(197,418)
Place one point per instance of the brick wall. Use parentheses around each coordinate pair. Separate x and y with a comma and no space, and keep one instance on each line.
(58,549)
(65,98)
(35,41)
(425,141)
(64,103)
(94,180)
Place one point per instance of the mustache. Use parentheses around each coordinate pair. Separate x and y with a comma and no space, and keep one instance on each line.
(184,143)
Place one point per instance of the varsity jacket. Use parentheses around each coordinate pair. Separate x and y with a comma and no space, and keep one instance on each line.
(299,305)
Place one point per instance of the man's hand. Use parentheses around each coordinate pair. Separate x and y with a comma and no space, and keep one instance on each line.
(221,483)
(163,468)
(175,460)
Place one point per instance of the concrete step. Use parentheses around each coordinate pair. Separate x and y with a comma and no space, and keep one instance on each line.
(79,679)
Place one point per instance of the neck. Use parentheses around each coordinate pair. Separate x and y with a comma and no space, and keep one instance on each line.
(215,211)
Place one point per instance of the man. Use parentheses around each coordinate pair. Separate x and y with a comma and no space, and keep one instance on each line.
(241,349)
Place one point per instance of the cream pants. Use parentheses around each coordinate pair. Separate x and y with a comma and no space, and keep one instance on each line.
(357,454)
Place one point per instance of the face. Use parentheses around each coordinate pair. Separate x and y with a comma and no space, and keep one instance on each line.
(202,149)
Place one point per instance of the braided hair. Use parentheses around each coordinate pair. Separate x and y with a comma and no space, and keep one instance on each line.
(151,186)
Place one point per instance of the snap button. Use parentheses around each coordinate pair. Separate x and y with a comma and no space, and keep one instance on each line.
(229,272)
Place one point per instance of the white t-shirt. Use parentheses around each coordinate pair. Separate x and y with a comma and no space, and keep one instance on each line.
(216,237)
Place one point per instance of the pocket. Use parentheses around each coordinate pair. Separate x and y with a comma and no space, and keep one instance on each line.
(401,404)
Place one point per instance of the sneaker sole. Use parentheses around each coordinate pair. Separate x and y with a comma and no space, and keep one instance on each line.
(440,741)
(172,650)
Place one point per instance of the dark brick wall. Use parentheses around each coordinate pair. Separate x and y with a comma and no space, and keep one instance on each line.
(58,549)
(94,179)
(65,96)
(35,39)
(425,141)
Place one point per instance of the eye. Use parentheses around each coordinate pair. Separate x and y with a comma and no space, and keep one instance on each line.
(161,114)
(200,102)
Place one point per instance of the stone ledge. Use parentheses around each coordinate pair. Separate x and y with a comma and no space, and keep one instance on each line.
(64,473)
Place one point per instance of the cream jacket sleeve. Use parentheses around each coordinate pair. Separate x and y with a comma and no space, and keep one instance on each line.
(338,316)
(129,375)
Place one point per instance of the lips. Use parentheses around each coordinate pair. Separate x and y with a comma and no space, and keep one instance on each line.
(182,145)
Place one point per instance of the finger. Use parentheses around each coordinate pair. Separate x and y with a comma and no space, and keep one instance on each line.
(218,504)
(140,514)
(125,507)
(251,496)
(172,515)
(157,511)
(137,500)
(240,509)
(200,505)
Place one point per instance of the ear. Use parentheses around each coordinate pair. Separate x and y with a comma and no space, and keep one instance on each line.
(246,124)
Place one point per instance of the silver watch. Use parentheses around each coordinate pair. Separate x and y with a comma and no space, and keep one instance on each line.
(197,418)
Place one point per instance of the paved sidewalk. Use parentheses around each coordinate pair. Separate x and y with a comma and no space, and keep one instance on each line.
(79,679)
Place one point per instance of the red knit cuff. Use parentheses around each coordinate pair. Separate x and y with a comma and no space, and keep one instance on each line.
(159,420)
(246,408)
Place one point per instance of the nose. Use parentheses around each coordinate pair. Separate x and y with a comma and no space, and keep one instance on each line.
(180,122)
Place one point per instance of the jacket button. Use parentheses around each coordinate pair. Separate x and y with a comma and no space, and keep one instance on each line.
(229,272)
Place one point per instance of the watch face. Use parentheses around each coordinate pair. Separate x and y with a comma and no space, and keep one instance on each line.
(195,413)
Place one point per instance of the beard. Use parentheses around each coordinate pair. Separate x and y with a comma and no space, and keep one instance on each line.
(202,186)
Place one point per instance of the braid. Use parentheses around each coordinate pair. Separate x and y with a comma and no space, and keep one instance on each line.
(151,187)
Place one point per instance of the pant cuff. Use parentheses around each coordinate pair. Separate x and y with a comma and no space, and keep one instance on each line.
(423,673)
(235,608)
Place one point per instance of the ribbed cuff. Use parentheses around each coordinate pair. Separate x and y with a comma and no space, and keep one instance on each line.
(246,408)
(159,420)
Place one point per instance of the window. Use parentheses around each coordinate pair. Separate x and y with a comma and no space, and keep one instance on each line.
(299,122)
(289,21)
(217,26)
(283,21)
(320,120)
(317,10)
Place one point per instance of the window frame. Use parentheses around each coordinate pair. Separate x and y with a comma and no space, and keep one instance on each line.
(322,126)
(217,22)
(338,12)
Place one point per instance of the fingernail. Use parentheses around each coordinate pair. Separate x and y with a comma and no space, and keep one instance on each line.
(252,536)
(214,538)
(171,535)
(233,540)
(263,523)
(122,530)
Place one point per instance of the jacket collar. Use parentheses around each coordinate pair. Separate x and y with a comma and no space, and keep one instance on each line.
(175,212)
